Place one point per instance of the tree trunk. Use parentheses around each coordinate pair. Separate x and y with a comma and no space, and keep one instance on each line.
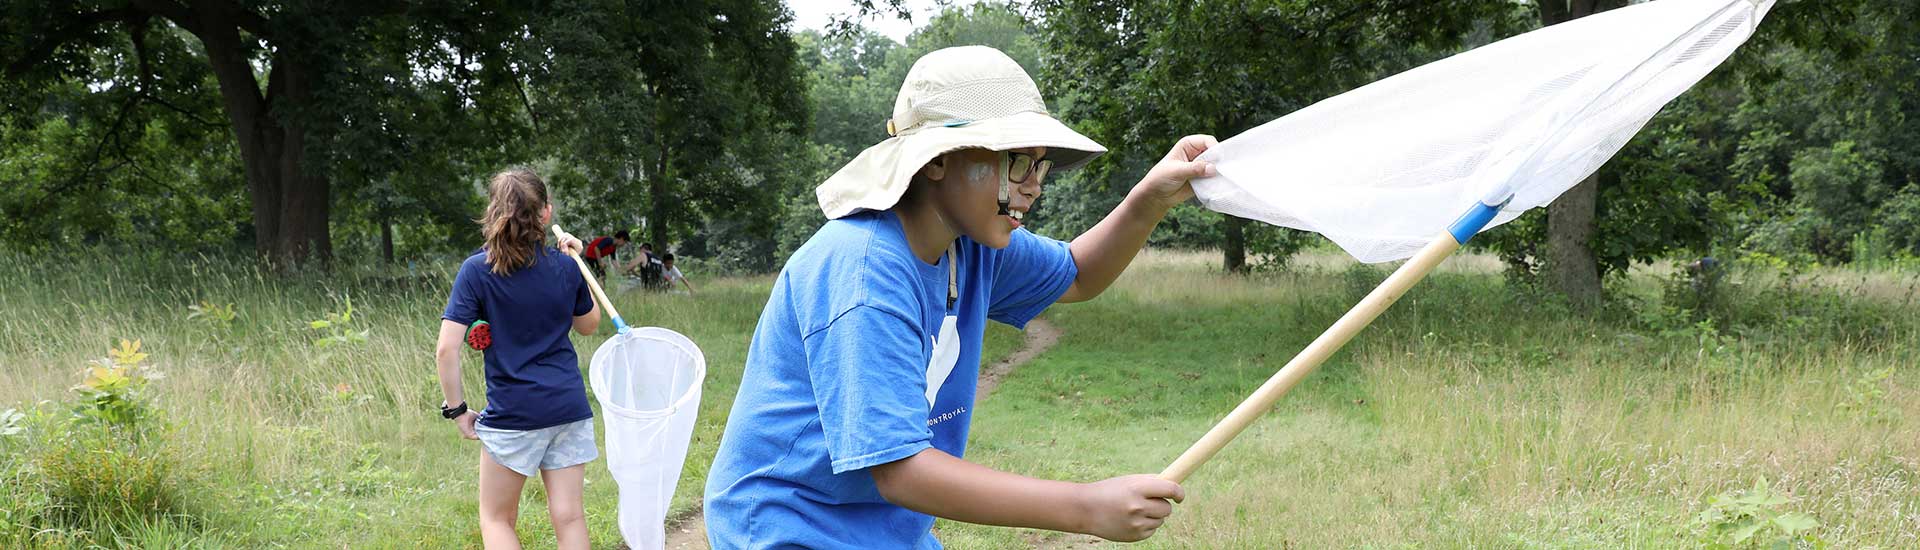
(1233,230)
(1554,12)
(658,201)
(1570,267)
(386,240)
(1233,244)
(290,205)
(304,201)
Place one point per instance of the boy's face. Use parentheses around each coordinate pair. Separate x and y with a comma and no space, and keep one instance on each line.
(967,190)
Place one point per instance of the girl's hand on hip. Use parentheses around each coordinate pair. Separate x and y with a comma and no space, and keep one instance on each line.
(465,423)
(1166,183)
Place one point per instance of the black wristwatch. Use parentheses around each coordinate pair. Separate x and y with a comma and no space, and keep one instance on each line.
(453,412)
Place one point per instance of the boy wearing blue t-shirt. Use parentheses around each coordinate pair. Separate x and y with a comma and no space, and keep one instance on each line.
(537,419)
(852,416)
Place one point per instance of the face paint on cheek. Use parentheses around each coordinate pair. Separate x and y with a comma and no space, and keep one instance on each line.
(983,173)
(979,172)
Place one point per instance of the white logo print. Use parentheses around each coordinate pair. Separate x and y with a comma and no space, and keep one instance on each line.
(946,353)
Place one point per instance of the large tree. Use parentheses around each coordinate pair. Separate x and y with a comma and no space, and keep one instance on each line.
(675,112)
(847,86)
(1570,264)
(299,82)
(1137,74)
(1718,164)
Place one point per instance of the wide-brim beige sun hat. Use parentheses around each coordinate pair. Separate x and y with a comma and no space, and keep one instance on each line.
(969,97)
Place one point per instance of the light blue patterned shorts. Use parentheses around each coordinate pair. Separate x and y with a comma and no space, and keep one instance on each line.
(550,448)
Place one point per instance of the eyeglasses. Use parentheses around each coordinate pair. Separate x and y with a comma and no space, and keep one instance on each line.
(1021,167)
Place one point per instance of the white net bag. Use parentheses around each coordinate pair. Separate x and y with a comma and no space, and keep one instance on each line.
(1381,169)
(648,383)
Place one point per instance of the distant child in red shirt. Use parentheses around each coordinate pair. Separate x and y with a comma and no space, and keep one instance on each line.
(603,248)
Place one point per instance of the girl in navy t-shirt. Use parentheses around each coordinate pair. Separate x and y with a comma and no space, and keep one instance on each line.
(537,419)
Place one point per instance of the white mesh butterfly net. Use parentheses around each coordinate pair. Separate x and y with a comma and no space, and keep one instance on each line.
(648,383)
(1382,169)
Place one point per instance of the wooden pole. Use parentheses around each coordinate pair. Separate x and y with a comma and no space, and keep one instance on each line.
(619,324)
(1303,364)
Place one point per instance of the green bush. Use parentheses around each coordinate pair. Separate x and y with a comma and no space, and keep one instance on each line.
(1786,236)
(337,328)
(1699,289)
(111,394)
(1841,186)
(93,473)
(1751,518)
(96,476)
(1899,217)
(1866,397)
(213,314)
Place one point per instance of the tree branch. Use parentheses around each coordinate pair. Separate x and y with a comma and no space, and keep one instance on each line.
(195,117)
(525,100)
(173,11)
(138,32)
(276,86)
(141,172)
(252,22)
(98,149)
(67,31)
(120,119)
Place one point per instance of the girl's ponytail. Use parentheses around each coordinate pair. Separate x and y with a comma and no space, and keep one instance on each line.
(516,200)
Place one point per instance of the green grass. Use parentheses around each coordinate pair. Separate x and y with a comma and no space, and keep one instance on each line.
(282,444)
(1470,415)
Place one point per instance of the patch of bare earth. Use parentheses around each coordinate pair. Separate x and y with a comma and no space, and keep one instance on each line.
(687,532)
(1040,335)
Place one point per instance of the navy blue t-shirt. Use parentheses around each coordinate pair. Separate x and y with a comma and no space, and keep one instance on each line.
(533,375)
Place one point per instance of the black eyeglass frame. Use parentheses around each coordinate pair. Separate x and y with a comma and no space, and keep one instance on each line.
(1029,167)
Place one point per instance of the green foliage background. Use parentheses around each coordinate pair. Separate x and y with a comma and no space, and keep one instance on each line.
(706,124)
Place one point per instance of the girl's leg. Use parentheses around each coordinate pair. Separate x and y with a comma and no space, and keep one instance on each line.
(566,505)
(499,504)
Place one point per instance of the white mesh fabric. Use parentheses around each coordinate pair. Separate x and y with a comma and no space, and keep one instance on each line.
(1383,169)
(648,384)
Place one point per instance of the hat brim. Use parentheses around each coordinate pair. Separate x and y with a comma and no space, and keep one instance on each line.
(879,176)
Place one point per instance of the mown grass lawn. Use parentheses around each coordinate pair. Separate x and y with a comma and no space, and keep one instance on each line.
(1475,416)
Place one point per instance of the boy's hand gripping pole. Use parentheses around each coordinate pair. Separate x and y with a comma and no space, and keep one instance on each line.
(1330,341)
(619,325)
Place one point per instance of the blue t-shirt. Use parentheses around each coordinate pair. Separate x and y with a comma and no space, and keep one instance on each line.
(533,376)
(855,338)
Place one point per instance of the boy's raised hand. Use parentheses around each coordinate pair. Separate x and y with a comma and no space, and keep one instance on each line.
(1129,508)
(1166,183)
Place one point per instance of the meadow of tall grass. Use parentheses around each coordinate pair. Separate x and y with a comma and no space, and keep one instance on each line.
(274,438)
(1475,413)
